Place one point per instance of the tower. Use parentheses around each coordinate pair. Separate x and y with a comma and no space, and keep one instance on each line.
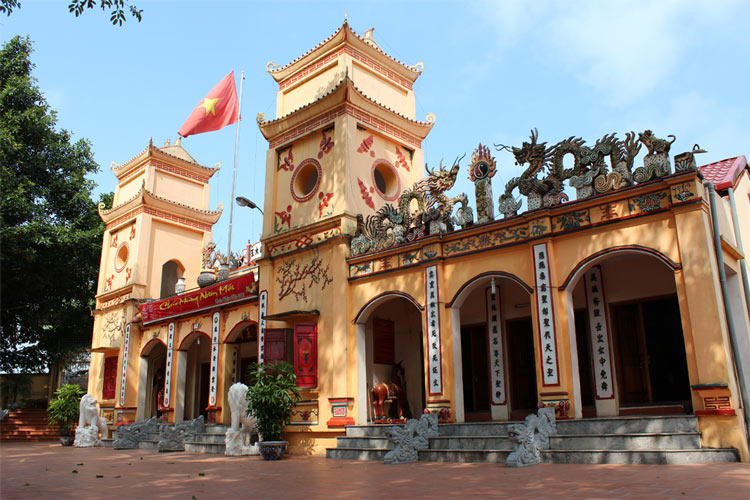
(155,229)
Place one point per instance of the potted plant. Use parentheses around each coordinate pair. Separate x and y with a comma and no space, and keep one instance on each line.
(63,411)
(272,394)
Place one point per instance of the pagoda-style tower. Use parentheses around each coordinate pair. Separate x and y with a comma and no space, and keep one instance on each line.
(345,142)
(154,234)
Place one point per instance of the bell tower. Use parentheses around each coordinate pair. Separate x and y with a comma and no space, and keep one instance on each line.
(345,140)
(155,230)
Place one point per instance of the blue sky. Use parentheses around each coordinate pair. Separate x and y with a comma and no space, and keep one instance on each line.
(493,70)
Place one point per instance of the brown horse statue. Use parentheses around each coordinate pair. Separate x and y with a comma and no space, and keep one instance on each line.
(393,392)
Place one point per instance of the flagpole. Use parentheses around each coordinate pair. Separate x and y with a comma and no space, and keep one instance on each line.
(234,170)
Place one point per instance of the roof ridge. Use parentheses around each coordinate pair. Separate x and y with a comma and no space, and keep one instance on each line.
(273,68)
(344,79)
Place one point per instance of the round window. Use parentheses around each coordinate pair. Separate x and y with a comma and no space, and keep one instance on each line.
(306,179)
(121,257)
(386,181)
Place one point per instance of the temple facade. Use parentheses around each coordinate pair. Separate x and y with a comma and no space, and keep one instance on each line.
(599,290)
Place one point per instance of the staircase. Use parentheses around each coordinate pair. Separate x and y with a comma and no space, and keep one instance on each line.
(210,441)
(28,424)
(624,440)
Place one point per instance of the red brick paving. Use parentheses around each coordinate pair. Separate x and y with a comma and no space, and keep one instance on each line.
(44,470)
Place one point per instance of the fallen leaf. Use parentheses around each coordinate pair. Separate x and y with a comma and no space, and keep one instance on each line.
(99,476)
(79,464)
(201,474)
(74,471)
(117,477)
(27,484)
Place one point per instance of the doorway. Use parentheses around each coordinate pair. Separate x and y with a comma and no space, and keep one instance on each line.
(475,363)
(523,390)
(651,359)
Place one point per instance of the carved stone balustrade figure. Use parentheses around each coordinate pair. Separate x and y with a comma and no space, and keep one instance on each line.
(411,438)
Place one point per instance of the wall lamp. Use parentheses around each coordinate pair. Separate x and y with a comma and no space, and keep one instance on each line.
(244,202)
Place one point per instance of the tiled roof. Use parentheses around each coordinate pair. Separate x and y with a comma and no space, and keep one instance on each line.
(723,173)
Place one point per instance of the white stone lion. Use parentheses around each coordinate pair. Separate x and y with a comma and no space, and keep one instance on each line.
(90,424)
(237,438)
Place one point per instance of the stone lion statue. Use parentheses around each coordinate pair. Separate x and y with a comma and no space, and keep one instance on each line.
(90,424)
(237,438)
(531,437)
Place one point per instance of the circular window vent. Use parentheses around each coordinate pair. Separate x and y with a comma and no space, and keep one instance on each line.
(121,257)
(306,179)
(386,180)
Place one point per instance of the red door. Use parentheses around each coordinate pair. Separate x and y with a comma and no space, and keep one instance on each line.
(306,354)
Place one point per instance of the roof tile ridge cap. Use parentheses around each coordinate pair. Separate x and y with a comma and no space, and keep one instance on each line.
(105,211)
(419,122)
(187,161)
(161,198)
(302,108)
(731,161)
(282,68)
(118,167)
(377,47)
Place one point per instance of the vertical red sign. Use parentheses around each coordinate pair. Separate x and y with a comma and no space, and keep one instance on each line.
(306,354)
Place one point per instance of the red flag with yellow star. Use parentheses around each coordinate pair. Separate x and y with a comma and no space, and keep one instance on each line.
(217,110)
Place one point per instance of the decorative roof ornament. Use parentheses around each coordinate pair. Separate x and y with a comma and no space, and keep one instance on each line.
(260,117)
(417,67)
(481,169)
(606,166)
(430,118)
(391,225)
(272,66)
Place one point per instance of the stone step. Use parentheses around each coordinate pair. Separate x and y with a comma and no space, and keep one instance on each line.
(355,454)
(216,429)
(209,438)
(464,455)
(107,443)
(196,447)
(475,429)
(628,425)
(642,441)
(368,430)
(697,456)
(365,442)
(470,443)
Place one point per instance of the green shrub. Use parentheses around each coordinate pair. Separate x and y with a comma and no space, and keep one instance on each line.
(63,410)
(272,395)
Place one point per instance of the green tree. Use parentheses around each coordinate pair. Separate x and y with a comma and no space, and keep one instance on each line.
(50,230)
(117,15)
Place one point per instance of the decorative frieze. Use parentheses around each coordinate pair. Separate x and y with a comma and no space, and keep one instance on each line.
(303,241)
(432,297)
(545,316)
(599,332)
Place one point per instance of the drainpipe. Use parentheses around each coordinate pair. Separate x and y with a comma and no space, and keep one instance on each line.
(738,239)
(727,307)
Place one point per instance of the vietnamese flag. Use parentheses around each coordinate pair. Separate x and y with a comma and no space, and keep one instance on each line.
(217,110)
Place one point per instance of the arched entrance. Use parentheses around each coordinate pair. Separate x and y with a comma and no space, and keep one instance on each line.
(151,378)
(629,337)
(389,331)
(193,376)
(493,338)
(243,350)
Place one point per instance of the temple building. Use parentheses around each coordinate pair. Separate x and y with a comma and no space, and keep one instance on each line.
(615,288)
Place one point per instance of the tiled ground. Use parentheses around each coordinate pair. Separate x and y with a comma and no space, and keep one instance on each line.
(46,470)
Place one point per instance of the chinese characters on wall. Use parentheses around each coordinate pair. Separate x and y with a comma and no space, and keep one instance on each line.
(545,315)
(214,357)
(497,365)
(124,364)
(168,375)
(262,308)
(433,329)
(599,336)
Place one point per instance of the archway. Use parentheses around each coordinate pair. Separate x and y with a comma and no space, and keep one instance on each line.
(243,350)
(171,271)
(151,378)
(389,331)
(624,310)
(493,339)
(193,376)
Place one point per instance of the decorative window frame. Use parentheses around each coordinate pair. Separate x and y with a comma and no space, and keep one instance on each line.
(297,170)
(394,171)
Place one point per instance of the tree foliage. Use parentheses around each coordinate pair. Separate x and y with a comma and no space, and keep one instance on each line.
(117,15)
(50,230)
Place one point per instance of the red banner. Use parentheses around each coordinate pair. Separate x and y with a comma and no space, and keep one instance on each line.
(232,290)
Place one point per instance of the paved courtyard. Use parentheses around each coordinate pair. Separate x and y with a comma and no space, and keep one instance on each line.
(46,470)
